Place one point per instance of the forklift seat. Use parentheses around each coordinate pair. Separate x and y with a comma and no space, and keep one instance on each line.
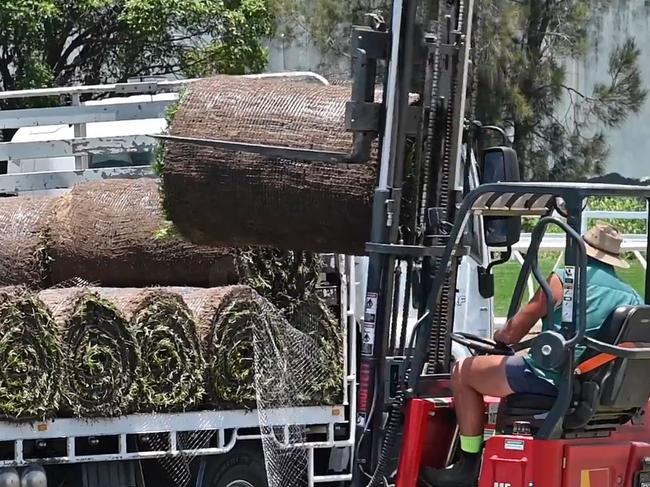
(604,398)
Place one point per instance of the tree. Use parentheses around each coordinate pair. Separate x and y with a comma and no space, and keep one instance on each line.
(522,50)
(61,42)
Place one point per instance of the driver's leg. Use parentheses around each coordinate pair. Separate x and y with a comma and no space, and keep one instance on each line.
(472,379)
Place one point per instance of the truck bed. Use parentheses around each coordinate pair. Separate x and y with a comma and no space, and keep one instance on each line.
(61,441)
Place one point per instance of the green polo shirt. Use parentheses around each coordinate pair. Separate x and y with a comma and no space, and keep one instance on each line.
(605,293)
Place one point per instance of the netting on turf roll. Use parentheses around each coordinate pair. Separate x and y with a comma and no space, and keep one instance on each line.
(289,280)
(23,240)
(172,368)
(102,358)
(234,199)
(113,233)
(290,370)
(31,357)
(315,320)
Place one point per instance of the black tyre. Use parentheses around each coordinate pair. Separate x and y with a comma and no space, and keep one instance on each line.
(243,467)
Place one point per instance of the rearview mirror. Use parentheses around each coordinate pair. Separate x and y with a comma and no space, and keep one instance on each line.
(500,164)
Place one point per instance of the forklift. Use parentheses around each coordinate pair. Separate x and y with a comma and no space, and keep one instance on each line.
(593,433)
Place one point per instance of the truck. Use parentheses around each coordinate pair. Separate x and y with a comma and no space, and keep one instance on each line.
(88,133)
(592,431)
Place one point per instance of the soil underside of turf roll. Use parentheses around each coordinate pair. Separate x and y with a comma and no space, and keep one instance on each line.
(112,233)
(23,240)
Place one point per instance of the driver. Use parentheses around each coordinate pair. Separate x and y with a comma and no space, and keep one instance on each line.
(499,376)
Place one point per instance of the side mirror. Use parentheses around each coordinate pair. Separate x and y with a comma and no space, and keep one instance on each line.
(500,164)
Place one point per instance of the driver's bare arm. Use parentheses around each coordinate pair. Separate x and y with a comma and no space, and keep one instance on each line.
(521,324)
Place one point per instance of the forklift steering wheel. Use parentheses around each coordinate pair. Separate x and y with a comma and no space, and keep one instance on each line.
(482,345)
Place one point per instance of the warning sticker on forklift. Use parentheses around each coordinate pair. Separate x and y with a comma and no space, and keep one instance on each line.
(569,291)
(368,339)
(515,445)
(370,312)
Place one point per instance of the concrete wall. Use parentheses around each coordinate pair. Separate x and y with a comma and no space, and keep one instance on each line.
(630,144)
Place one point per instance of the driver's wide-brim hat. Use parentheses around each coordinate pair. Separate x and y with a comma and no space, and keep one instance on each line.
(603,243)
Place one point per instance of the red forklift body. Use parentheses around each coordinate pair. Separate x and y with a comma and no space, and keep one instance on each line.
(522,461)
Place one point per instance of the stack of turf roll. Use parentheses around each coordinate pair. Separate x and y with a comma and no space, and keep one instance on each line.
(102,359)
(31,357)
(235,199)
(113,233)
(24,240)
(172,368)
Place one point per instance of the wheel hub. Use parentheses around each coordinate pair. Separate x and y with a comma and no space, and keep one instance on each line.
(240,483)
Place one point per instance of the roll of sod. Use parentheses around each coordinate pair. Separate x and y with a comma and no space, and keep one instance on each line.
(226,317)
(315,320)
(234,199)
(112,233)
(31,357)
(102,358)
(172,368)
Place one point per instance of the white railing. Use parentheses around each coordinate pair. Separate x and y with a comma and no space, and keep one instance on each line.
(61,156)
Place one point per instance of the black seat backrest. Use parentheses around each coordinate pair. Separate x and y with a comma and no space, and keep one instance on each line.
(625,383)
(605,398)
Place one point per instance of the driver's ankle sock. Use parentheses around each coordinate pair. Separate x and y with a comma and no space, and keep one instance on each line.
(471,444)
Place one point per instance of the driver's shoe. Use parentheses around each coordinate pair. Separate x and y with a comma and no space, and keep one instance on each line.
(463,473)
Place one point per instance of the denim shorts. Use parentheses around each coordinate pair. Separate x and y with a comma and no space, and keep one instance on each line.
(522,379)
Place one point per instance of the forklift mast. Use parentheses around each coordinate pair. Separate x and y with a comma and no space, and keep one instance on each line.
(386,376)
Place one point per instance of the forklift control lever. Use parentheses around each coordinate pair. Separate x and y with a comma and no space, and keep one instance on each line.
(483,346)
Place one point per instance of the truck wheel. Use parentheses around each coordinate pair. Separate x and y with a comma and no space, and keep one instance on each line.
(243,467)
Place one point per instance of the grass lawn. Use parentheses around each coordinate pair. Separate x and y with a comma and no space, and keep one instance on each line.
(506,278)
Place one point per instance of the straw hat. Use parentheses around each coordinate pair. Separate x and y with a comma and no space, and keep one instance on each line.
(603,243)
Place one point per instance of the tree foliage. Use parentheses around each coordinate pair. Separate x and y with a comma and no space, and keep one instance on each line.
(523,50)
(61,42)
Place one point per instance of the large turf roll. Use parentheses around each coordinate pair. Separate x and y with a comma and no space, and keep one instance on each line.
(102,358)
(172,368)
(226,317)
(31,357)
(112,233)
(224,198)
(23,240)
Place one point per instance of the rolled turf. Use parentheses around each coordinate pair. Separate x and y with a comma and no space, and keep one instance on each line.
(289,280)
(172,368)
(24,238)
(228,198)
(226,317)
(112,233)
(102,359)
(315,320)
(31,357)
